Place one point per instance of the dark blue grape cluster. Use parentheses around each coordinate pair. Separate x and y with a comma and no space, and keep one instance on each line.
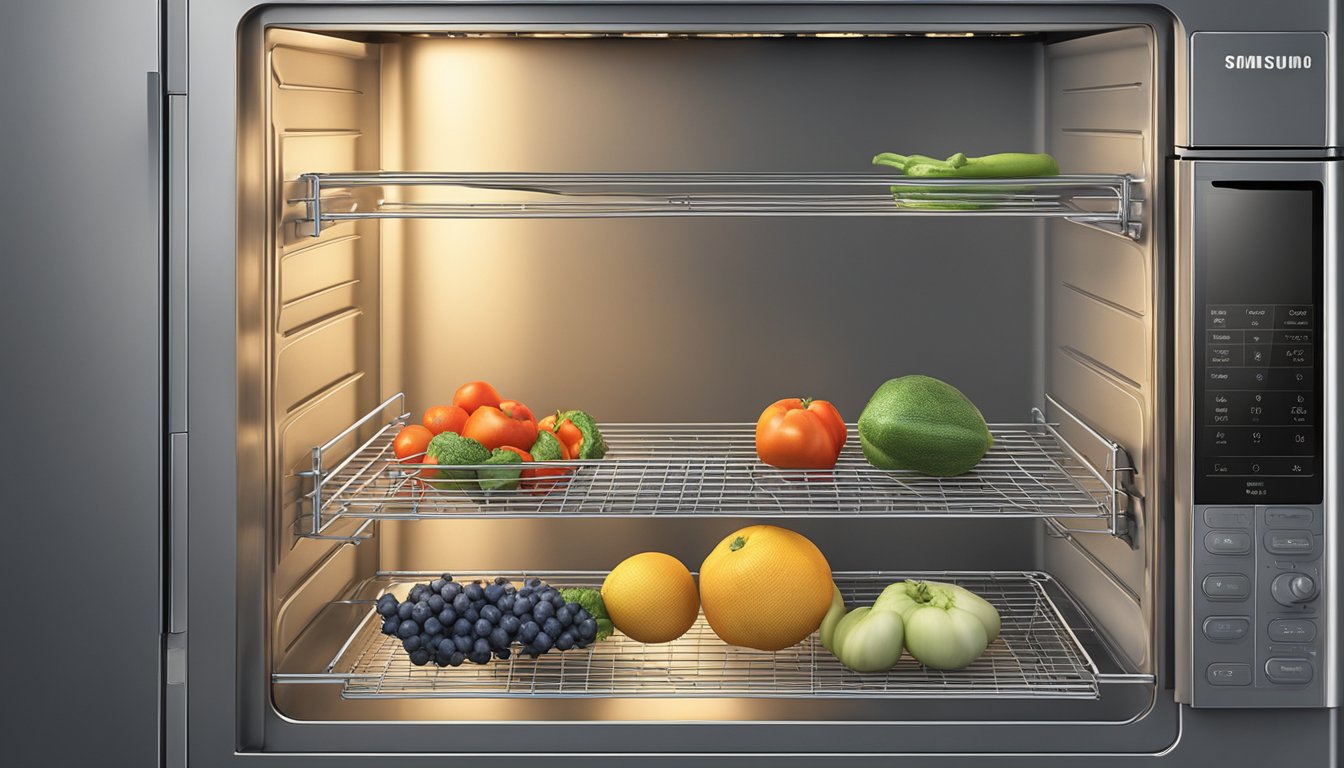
(449,622)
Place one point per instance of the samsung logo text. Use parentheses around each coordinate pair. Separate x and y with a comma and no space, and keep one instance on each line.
(1267,62)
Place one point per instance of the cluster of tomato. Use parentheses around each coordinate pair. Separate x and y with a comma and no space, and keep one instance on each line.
(800,433)
(478,412)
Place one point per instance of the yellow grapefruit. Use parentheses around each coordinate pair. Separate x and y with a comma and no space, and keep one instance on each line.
(765,587)
(651,597)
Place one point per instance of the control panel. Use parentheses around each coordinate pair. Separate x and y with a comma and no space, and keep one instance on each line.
(1258,522)
(1258,591)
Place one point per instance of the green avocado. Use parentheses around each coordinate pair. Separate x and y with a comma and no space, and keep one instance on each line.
(925,425)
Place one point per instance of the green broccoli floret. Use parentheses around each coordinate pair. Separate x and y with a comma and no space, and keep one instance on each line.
(593,447)
(500,479)
(591,600)
(452,448)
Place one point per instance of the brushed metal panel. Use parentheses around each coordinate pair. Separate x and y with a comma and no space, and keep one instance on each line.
(82,312)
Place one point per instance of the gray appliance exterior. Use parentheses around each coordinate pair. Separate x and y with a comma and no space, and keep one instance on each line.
(82,316)
(221,725)
(227,691)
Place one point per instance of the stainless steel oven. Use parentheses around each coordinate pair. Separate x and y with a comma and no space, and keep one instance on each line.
(328,215)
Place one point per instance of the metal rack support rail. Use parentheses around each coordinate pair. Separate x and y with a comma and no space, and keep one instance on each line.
(1118,206)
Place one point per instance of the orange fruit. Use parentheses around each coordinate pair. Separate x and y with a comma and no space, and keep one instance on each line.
(651,597)
(765,587)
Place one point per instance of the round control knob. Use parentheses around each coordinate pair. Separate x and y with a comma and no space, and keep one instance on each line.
(1293,588)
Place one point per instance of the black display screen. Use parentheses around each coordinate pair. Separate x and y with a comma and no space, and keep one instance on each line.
(1258,367)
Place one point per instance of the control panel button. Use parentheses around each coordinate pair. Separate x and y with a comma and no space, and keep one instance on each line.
(1228,585)
(1289,671)
(1224,673)
(1289,542)
(1228,543)
(1291,630)
(1290,588)
(1226,629)
(1286,517)
(1228,517)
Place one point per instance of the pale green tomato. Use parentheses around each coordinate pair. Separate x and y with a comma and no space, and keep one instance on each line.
(944,637)
(833,617)
(905,596)
(866,640)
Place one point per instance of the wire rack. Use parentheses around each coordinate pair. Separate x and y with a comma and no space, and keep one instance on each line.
(1107,201)
(1036,655)
(699,470)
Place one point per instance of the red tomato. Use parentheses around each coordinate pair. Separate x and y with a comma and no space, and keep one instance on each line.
(517,410)
(800,434)
(494,428)
(473,395)
(411,441)
(445,418)
(524,455)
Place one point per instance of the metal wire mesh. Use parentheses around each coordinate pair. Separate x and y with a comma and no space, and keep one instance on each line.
(1035,656)
(712,470)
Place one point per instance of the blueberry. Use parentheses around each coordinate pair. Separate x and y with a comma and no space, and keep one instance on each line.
(574,607)
(434,642)
(580,615)
(404,610)
(390,625)
(552,627)
(510,624)
(456,659)
(433,626)
(408,628)
(564,616)
(421,612)
(418,593)
(587,629)
(565,641)
(506,603)
(437,584)
(474,591)
(502,653)
(491,614)
(461,603)
(411,643)
(479,658)
(557,601)
(447,616)
(493,593)
(436,603)
(581,643)
(534,583)
(450,591)
(481,645)
(528,632)
(462,627)
(471,615)
(499,638)
(509,589)
(482,627)
(522,605)
(462,643)
(501,581)
(526,617)
(447,577)
(478,604)
(543,642)
(420,658)
(387,606)
(543,611)
(525,592)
